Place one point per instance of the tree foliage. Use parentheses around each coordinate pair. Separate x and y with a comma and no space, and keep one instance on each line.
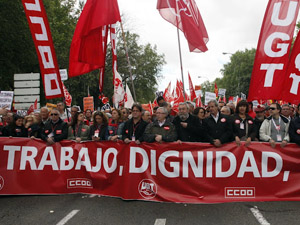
(18,53)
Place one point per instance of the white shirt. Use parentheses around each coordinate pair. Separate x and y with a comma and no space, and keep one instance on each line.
(216,118)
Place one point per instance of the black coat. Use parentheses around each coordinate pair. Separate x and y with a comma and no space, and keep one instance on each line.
(221,130)
(139,130)
(102,132)
(294,130)
(59,130)
(248,123)
(15,131)
(194,131)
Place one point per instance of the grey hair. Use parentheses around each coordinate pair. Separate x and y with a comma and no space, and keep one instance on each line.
(214,101)
(164,110)
(184,103)
(45,108)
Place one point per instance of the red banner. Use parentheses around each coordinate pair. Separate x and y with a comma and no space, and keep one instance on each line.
(271,60)
(190,172)
(292,91)
(41,35)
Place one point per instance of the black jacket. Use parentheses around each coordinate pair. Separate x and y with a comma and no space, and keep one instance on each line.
(59,130)
(194,131)
(167,131)
(221,130)
(248,124)
(294,130)
(15,131)
(139,130)
(102,132)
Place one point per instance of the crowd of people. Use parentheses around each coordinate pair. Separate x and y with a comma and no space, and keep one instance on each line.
(218,123)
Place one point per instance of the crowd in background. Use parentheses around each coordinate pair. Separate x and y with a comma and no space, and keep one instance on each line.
(218,123)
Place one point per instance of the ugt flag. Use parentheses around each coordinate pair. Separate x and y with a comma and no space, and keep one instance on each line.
(184,14)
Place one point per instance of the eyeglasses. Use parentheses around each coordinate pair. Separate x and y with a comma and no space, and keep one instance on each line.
(272,108)
(53,114)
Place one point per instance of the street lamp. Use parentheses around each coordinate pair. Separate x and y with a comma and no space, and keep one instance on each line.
(227,53)
(203,77)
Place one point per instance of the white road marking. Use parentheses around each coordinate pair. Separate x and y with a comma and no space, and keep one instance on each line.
(260,218)
(68,217)
(160,221)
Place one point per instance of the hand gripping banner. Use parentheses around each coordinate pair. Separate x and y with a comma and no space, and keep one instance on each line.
(190,172)
(41,35)
(272,55)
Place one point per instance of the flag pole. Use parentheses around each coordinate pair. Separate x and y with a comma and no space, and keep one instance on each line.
(127,57)
(179,47)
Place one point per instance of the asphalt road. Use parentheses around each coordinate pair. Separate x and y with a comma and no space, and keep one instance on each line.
(93,209)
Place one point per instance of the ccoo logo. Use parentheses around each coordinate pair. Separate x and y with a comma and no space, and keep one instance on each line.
(147,189)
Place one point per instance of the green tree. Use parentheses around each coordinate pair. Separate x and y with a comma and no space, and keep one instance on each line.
(237,73)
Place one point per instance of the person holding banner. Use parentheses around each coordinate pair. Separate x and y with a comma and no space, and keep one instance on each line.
(115,126)
(218,128)
(244,128)
(55,129)
(32,126)
(99,128)
(161,129)
(135,127)
(17,128)
(78,131)
(188,126)
(275,127)
(294,128)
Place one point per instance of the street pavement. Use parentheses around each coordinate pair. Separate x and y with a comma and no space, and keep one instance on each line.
(93,209)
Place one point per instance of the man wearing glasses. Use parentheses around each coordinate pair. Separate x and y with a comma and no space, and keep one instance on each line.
(275,127)
(161,129)
(55,129)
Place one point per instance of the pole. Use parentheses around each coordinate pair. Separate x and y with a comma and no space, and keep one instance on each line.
(179,47)
(129,65)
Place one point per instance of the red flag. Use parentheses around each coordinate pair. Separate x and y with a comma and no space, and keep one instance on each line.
(30,110)
(192,90)
(231,99)
(184,14)
(291,92)
(41,35)
(35,104)
(167,94)
(198,101)
(224,99)
(271,60)
(87,52)
(68,97)
(178,96)
(216,89)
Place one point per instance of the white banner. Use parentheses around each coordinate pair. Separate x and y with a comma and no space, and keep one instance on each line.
(209,96)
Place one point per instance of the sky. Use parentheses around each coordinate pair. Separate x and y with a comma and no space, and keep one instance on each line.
(232,25)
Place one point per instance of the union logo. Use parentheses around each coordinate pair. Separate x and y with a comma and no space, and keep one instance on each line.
(147,188)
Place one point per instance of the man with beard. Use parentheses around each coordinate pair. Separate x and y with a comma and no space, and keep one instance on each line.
(218,127)
(188,127)
(259,118)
